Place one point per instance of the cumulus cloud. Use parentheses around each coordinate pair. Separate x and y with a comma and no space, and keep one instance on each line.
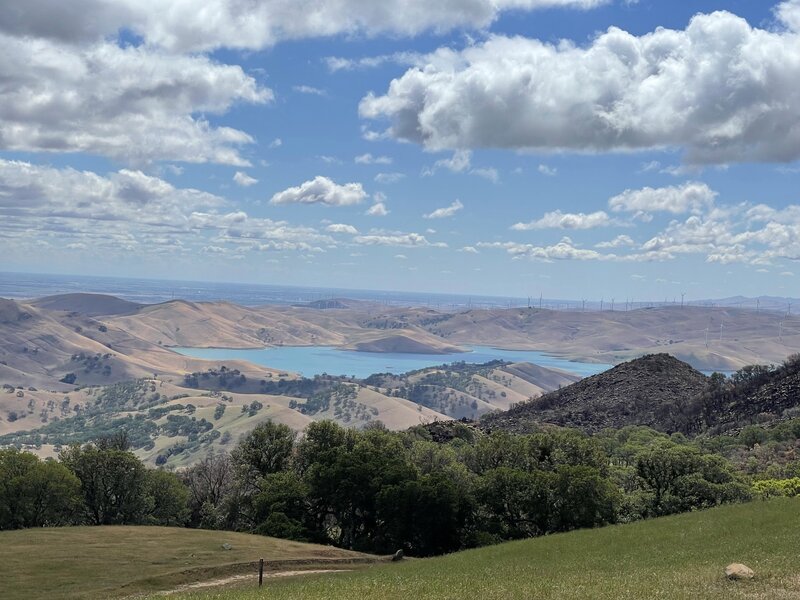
(377,210)
(321,190)
(621,241)
(445,212)
(789,14)
(720,89)
(410,240)
(256,23)
(341,228)
(559,220)
(691,197)
(134,104)
(563,250)
(243,179)
(129,211)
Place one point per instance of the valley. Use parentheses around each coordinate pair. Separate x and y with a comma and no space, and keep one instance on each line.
(77,366)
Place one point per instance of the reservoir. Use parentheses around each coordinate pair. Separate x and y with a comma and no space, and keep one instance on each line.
(315,360)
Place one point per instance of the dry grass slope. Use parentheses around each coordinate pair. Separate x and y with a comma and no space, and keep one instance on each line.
(89,563)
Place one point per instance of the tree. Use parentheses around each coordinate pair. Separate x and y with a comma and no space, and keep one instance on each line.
(35,493)
(209,482)
(516,504)
(113,484)
(281,508)
(265,450)
(168,498)
(424,516)
(345,482)
(583,498)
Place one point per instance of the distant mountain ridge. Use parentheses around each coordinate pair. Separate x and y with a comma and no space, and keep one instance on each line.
(90,305)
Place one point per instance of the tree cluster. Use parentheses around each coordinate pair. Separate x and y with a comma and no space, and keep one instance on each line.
(377,491)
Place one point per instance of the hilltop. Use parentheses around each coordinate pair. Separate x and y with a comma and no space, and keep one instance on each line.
(646,391)
(90,305)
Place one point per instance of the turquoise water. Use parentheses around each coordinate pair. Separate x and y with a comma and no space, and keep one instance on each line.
(315,360)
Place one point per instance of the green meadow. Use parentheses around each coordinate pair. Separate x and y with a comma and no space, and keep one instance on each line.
(677,557)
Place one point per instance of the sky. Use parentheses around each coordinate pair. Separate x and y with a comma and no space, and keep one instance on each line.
(569,148)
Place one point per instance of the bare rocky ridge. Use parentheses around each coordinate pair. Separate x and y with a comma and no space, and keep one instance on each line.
(645,391)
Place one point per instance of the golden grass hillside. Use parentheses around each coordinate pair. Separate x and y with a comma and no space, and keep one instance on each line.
(113,562)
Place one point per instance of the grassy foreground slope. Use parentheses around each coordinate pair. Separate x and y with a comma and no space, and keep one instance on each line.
(680,557)
(112,562)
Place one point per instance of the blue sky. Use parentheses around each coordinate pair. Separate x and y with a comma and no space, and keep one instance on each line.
(574,148)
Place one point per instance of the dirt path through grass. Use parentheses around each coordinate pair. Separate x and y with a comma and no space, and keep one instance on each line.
(237,578)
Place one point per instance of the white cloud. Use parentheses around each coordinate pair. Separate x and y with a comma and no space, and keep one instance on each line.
(243,179)
(559,220)
(368,159)
(445,212)
(458,163)
(691,197)
(469,250)
(411,240)
(621,241)
(387,178)
(461,162)
(489,173)
(377,210)
(276,143)
(720,89)
(130,212)
(134,104)
(563,250)
(341,228)
(257,23)
(401,257)
(321,190)
(789,13)
(310,90)
(338,63)
(546,170)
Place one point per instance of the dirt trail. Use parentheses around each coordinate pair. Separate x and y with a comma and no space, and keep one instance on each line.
(235,578)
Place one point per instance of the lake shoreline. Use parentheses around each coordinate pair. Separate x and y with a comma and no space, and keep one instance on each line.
(314,360)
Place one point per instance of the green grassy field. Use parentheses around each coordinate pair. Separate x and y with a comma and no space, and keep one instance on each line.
(112,562)
(680,557)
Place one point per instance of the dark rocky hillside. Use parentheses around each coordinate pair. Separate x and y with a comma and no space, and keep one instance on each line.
(656,390)
(756,394)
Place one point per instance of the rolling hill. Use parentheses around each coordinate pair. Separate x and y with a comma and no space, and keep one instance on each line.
(90,305)
(671,558)
(645,391)
(84,563)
